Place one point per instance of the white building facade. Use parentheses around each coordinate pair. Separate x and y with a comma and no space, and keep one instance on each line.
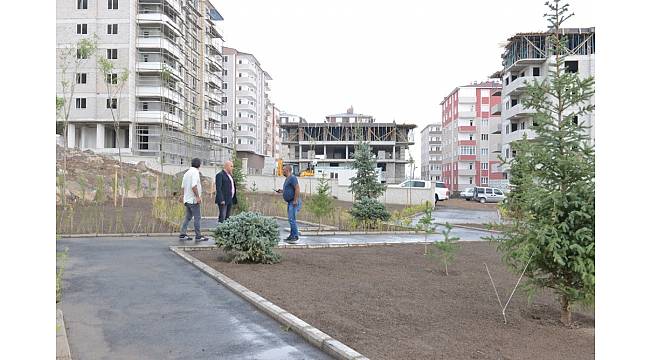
(170,106)
(431,152)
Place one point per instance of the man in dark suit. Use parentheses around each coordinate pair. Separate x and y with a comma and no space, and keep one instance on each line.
(226,191)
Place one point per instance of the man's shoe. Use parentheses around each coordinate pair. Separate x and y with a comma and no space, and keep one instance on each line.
(288,238)
(201,238)
(184,238)
(292,240)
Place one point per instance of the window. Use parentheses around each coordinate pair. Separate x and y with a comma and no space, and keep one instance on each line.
(239,114)
(467,150)
(484,151)
(112,29)
(112,4)
(485,166)
(111,79)
(82,29)
(239,75)
(471,137)
(575,119)
(250,142)
(145,106)
(111,103)
(240,62)
(508,129)
(479,190)
(484,136)
(470,180)
(571,66)
(80,103)
(224,99)
(514,127)
(496,191)
(225,85)
(418,184)
(82,4)
(225,59)
(471,166)
(81,55)
(488,191)
(238,141)
(505,176)
(224,126)
(81,78)
(224,140)
(111,53)
(523,125)
(484,180)
(535,71)
(224,112)
(224,72)
(507,153)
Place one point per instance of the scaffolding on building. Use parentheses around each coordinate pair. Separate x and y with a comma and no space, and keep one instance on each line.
(351,132)
(537,45)
(174,122)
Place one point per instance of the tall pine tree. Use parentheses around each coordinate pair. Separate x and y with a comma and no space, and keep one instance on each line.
(552,203)
(365,183)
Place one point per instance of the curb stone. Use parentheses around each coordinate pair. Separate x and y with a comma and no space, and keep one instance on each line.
(313,335)
(62,345)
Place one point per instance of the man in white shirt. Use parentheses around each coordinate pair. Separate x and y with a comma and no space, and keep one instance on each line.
(192,201)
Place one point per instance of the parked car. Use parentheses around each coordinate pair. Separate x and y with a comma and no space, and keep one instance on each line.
(467,194)
(441,191)
(488,194)
(420,184)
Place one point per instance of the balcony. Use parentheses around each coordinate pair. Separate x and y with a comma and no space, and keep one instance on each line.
(467,100)
(246,120)
(465,129)
(518,85)
(467,142)
(246,93)
(157,66)
(494,126)
(246,67)
(467,114)
(496,148)
(156,16)
(467,158)
(156,88)
(518,135)
(495,109)
(159,42)
(212,114)
(155,117)
(247,107)
(246,80)
(246,147)
(516,112)
(467,172)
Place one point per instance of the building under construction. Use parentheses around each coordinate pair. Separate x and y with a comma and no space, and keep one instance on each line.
(331,144)
(170,106)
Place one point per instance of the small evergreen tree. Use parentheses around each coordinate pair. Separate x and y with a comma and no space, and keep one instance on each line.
(322,203)
(447,248)
(553,198)
(426,224)
(365,183)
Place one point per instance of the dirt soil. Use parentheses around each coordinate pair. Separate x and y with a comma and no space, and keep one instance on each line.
(390,302)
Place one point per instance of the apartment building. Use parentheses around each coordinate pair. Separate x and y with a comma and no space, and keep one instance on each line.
(526,59)
(466,136)
(170,108)
(272,138)
(431,152)
(331,143)
(247,107)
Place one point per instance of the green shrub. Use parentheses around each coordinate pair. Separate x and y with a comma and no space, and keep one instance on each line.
(249,237)
(369,210)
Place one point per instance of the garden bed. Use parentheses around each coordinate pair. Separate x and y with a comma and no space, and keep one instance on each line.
(390,302)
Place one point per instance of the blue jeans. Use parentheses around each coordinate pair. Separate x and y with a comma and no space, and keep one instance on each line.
(292,211)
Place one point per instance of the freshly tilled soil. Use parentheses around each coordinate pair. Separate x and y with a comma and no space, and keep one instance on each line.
(391,302)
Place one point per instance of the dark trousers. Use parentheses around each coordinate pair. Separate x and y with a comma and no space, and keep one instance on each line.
(192,211)
(224,212)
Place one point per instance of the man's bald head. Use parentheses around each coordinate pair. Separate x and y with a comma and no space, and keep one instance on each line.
(228,166)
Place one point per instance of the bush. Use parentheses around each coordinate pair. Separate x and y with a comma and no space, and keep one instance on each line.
(368,209)
(249,237)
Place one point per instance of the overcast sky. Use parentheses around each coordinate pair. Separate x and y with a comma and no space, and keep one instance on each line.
(395,60)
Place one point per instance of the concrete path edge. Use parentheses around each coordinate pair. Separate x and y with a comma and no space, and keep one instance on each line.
(62,345)
(313,335)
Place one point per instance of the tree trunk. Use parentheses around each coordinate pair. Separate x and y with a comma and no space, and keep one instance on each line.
(565,316)
(446,272)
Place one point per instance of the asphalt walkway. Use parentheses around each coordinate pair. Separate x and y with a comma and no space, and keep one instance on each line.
(132,298)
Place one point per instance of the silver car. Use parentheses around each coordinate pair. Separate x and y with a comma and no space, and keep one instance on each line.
(488,194)
(467,194)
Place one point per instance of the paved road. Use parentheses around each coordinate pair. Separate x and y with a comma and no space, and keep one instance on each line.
(462,216)
(134,299)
